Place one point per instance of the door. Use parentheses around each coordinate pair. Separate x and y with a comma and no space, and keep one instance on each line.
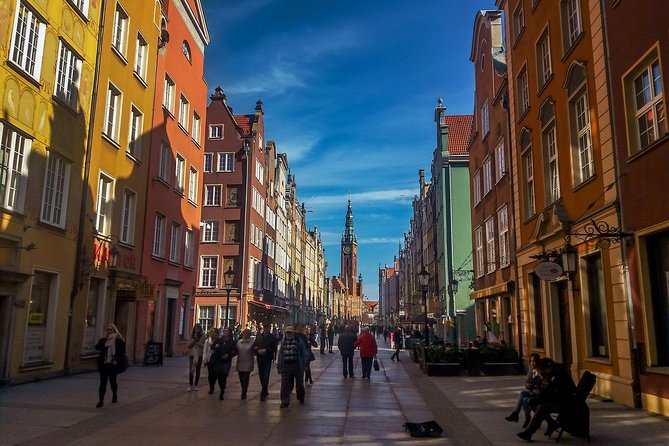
(169,326)
(561,323)
(4,335)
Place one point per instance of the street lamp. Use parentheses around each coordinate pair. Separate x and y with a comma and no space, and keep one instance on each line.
(112,263)
(423,280)
(229,277)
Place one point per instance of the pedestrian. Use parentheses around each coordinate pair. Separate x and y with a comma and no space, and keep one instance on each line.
(206,358)
(368,349)
(346,344)
(110,361)
(330,332)
(386,331)
(397,339)
(222,352)
(292,359)
(311,342)
(532,386)
(322,331)
(245,360)
(264,348)
(195,351)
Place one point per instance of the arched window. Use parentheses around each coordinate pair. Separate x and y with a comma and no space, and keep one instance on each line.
(185,48)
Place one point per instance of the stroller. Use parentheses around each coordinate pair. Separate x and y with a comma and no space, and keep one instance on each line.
(576,418)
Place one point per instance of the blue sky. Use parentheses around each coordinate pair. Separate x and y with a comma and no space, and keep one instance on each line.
(349,89)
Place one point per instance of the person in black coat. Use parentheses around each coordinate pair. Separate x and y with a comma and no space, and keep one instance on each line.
(264,348)
(346,348)
(110,362)
(223,350)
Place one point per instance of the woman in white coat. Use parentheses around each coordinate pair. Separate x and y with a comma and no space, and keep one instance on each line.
(245,360)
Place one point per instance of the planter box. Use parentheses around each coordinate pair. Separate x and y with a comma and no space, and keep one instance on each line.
(500,368)
(444,368)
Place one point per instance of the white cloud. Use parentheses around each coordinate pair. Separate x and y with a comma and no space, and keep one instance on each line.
(378,240)
(328,201)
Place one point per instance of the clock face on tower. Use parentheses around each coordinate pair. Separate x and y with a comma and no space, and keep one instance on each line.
(346,250)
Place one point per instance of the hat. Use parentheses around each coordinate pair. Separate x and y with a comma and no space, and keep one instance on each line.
(289,328)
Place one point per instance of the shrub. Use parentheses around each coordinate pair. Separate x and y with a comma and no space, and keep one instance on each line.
(499,353)
(444,354)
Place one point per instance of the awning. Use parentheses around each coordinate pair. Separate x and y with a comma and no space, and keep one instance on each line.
(494,290)
(267,306)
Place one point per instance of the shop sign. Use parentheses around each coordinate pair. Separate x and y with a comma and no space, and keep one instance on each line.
(548,270)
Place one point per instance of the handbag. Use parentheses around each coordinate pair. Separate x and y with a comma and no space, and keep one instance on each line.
(312,357)
(123,365)
(375,364)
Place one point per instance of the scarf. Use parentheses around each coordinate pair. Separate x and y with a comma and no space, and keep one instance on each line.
(110,345)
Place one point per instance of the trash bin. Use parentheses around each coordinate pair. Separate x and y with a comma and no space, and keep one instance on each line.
(473,360)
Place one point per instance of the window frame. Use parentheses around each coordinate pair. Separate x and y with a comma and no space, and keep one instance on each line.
(57,179)
(135,133)
(104,207)
(196,129)
(500,161)
(583,171)
(18,145)
(480,259)
(595,305)
(189,248)
(112,123)
(164,161)
(17,54)
(488,180)
(504,239)
(128,217)
(490,244)
(225,159)
(159,235)
(208,165)
(184,112)
(212,271)
(485,119)
(523,87)
(193,185)
(207,194)
(68,71)
(656,101)
(213,134)
(175,242)
(180,174)
(169,94)
(544,62)
(552,186)
(120,34)
(141,58)
(476,179)
(211,231)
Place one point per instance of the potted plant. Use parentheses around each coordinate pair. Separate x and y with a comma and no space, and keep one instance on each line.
(499,359)
(443,360)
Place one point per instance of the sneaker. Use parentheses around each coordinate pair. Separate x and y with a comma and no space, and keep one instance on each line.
(220,396)
(211,391)
(188,389)
(525,435)
(195,388)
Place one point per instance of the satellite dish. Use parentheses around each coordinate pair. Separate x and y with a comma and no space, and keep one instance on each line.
(548,270)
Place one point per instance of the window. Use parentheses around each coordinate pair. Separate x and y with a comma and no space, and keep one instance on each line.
(551,168)
(216,131)
(175,243)
(205,317)
(650,116)
(135,136)
(518,21)
(93,315)
(196,129)
(184,112)
(82,5)
(226,162)
(231,232)
(527,166)
(260,171)
(104,202)
(209,271)
(571,22)
(120,38)
(232,196)
(128,217)
(208,162)
(159,236)
(164,158)
(189,248)
(14,154)
(141,57)
(185,49)
(56,185)
(487,175)
(180,174)
(490,244)
(192,186)
(477,187)
(582,137)
(228,315)
(478,237)
(168,94)
(212,195)
(595,306)
(485,120)
(523,92)
(183,317)
(503,230)
(39,334)
(544,69)
(67,76)
(113,113)
(210,231)
(258,203)
(28,41)
(500,161)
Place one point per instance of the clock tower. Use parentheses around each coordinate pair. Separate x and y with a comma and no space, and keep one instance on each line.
(349,252)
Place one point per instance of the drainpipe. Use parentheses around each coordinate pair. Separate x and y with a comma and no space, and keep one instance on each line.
(634,347)
(84,190)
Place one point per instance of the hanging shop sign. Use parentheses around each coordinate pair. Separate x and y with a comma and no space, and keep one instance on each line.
(548,270)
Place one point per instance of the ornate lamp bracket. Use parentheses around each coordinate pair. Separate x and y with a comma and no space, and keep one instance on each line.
(599,233)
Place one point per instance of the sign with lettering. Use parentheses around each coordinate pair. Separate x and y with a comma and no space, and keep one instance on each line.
(548,270)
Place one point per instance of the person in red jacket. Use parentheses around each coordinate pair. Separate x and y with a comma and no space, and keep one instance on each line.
(368,350)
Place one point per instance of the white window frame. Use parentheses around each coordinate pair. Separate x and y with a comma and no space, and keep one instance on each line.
(518,21)
(552,167)
(523,91)
(120,31)
(135,135)
(68,75)
(104,203)
(211,231)
(128,217)
(208,271)
(189,248)
(647,100)
(27,45)
(175,242)
(184,112)
(527,159)
(208,165)
(500,160)
(544,65)
(487,176)
(476,179)
(192,185)
(141,57)
(226,162)
(15,151)
(582,150)
(81,5)
(113,112)
(164,158)
(159,228)
(485,119)
(169,94)
(491,243)
(480,260)
(216,131)
(211,198)
(503,230)
(55,192)
(260,171)
(196,132)
(180,173)
(572,22)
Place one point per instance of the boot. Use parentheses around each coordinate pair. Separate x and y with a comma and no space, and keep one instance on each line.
(99,404)
(513,417)
(114,398)
(525,435)
(527,422)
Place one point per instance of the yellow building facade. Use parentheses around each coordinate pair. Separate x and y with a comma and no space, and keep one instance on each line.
(47,69)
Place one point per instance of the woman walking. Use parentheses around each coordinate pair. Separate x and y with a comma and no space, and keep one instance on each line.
(206,358)
(223,350)
(311,342)
(110,360)
(368,350)
(245,361)
(195,347)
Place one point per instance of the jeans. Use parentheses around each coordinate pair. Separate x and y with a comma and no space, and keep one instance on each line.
(524,402)
(107,373)
(264,370)
(330,342)
(347,362)
(292,375)
(366,367)
(396,355)
(195,366)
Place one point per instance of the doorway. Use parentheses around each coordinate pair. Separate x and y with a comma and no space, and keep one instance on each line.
(561,323)
(169,326)
(4,335)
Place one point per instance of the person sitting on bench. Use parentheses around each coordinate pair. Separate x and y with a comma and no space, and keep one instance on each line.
(557,390)
(532,384)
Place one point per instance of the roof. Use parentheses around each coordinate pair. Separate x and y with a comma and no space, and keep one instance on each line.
(459,129)
(245,122)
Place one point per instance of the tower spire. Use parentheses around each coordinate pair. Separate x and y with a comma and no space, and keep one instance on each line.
(349,233)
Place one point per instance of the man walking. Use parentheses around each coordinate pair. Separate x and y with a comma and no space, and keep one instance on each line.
(329,330)
(322,334)
(292,359)
(346,344)
(264,348)
(397,339)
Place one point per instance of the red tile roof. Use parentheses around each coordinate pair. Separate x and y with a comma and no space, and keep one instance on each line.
(245,122)
(459,129)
